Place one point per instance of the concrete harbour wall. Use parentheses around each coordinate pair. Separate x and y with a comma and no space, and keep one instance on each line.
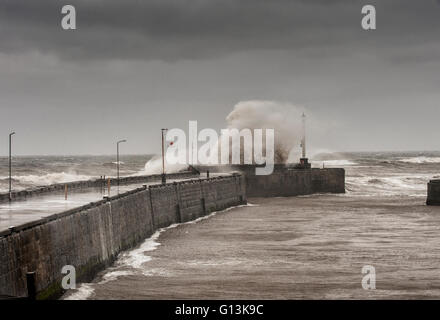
(280,184)
(94,183)
(330,180)
(90,237)
(286,181)
(433,193)
(295,182)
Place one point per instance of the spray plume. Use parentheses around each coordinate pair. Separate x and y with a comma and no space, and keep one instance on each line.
(284,118)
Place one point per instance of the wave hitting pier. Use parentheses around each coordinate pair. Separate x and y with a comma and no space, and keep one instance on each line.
(90,237)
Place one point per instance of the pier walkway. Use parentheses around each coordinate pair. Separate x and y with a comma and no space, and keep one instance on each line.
(34,208)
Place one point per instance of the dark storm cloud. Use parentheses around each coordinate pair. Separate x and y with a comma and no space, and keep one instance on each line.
(176,29)
(133,67)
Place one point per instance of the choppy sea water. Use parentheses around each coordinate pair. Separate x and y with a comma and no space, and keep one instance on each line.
(31,171)
(310,247)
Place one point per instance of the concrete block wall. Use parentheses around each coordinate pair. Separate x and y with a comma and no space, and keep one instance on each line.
(330,180)
(164,205)
(90,237)
(227,193)
(94,183)
(283,183)
(433,193)
(191,201)
(286,181)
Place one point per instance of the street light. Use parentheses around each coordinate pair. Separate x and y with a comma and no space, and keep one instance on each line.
(164,178)
(117,156)
(10,165)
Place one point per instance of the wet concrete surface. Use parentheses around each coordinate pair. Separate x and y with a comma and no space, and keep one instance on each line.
(19,212)
(37,207)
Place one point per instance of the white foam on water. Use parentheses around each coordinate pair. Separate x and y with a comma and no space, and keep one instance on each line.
(421,160)
(332,163)
(250,205)
(210,263)
(51,178)
(409,185)
(154,166)
(113,275)
(155,272)
(136,258)
(83,292)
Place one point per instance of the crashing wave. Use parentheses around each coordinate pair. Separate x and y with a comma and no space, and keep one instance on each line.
(421,160)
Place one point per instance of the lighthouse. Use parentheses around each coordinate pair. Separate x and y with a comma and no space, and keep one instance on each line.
(304,162)
(303,138)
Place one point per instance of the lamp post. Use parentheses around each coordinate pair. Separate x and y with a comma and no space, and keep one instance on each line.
(164,178)
(117,157)
(10,165)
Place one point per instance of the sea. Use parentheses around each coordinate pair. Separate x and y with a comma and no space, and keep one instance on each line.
(368,173)
(307,247)
(32,171)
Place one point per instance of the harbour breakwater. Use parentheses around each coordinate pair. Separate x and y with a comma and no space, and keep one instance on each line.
(90,237)
(286,181)
(433,193)
(93,183)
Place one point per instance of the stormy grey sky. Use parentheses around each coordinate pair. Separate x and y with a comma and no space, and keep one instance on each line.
(133,67)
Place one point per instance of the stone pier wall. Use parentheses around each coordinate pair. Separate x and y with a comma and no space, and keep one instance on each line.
(286,181)
(330,180)
(90,237)
(282,183)
(94,183)
(433,193)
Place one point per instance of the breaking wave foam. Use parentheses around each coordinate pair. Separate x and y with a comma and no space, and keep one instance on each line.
(421,160)
(334,163)
(50,178)
(409,185)
(84,292)
(154,166)
(136,258)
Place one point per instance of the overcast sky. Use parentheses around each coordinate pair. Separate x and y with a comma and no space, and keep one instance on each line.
(134,66)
